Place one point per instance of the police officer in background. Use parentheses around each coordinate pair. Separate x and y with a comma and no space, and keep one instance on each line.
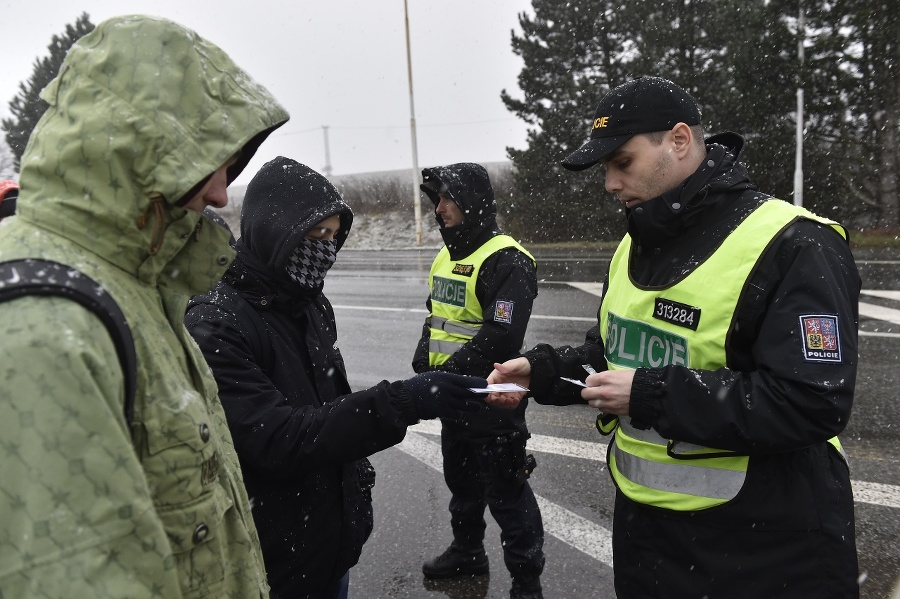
(483,284)
(727,351)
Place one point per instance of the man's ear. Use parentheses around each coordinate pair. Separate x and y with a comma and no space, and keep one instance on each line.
(682,139)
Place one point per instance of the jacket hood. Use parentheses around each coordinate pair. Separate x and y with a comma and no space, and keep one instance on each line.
(470,187)
(283,202)
(655,221)
(142,112)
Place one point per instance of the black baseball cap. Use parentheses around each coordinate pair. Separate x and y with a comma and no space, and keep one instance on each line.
(644,105)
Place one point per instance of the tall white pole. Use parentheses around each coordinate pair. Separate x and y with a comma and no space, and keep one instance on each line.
(417,208)
(327,168)
(798,159)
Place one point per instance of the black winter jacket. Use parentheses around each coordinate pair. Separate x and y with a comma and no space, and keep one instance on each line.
(770,403)
(507,275)
(300,434)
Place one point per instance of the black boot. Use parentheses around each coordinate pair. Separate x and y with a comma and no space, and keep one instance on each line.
(457,561)
(531,590)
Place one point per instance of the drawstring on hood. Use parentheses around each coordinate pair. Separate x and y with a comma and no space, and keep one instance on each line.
(157,210)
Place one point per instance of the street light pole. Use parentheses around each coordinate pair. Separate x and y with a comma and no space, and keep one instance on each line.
(798,159)
(417,208)
(327,168)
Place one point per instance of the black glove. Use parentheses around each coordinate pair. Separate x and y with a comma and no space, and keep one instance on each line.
(445,394)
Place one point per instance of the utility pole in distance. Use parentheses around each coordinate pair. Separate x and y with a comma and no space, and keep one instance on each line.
(327,169)
(417,208)
(798,158)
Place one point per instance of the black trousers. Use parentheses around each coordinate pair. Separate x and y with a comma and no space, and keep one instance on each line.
(777,541)
(489,474)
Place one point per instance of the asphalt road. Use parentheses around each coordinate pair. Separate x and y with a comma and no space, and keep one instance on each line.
(379,302)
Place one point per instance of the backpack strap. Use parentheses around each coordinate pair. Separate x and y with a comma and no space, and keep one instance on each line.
(32,276)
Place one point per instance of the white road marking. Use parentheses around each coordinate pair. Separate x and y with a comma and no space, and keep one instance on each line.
(891,315)
(592,288)
(379,309)
(576,531)
(863,492)
(891,295)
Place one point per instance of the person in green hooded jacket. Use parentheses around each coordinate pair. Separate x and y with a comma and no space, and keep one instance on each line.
(147,124)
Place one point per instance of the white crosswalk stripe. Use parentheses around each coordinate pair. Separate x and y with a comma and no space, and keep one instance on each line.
(863,492)
(576,531)
(866,310)
(567,526)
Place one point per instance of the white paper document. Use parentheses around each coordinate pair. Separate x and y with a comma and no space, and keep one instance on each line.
(501,388)
(574,381)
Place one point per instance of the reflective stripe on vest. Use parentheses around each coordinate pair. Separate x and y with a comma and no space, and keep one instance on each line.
(457,328)
(456,314)
(687,324)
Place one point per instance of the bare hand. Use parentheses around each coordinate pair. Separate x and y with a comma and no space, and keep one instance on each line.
(517,371)
(609,391)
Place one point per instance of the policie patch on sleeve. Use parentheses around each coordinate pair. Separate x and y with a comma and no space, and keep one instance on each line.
(821,341)
(503,311)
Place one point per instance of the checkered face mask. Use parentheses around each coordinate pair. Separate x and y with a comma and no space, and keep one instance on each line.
(310,262)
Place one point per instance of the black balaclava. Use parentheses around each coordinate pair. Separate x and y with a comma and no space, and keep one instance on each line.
(284,201)
(469,186)
(311,261)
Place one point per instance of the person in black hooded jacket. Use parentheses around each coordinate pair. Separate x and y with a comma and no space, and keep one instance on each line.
(483,284)
(726,354)
(269,335)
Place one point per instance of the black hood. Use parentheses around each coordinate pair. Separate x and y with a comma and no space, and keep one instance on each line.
(283,202)
(470,187)
(664,217)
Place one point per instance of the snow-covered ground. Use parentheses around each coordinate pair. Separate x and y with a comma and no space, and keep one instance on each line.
(386,231)
(392,230)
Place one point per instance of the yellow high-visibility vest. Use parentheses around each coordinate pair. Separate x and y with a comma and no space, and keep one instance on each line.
(456,314)
(685,323)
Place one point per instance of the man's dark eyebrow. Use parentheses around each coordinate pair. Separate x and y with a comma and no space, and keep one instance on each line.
(615,154)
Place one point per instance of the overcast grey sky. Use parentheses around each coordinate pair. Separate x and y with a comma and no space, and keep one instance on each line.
(340,63)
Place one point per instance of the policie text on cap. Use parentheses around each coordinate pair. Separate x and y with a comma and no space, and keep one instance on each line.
(644,105)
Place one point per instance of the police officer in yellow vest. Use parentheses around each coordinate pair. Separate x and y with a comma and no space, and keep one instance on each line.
(483,284)
(726,355)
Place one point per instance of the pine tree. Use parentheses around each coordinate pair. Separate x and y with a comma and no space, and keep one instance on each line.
(870,137)
(752,88)
(739,59)
(7,170)
(573,52)
(27,107)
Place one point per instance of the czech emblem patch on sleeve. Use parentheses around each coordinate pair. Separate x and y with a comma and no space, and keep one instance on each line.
(821,341)
(503,312)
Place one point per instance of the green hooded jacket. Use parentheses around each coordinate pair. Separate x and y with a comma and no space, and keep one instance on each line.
(142,113)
